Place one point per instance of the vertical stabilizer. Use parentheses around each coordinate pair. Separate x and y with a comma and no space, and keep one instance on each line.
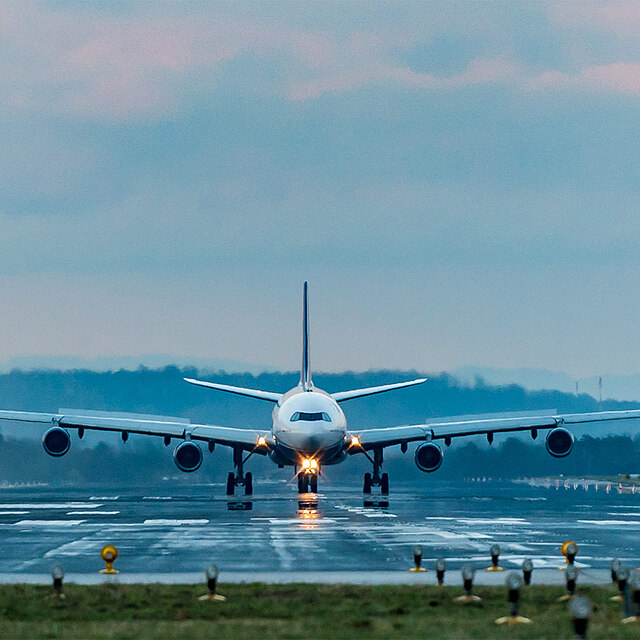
(305,372)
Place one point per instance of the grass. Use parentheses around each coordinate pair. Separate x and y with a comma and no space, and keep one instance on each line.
(293,611)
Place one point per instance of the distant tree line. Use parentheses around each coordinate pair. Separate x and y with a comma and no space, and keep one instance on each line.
(102,458)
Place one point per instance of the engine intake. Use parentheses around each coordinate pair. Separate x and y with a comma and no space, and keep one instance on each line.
(187,456)
(559,442)
(56,441)
(428,457)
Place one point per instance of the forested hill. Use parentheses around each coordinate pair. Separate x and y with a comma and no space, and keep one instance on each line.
(163,392)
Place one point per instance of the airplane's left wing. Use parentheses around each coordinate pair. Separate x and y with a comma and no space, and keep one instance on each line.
(372,438)
(169,428)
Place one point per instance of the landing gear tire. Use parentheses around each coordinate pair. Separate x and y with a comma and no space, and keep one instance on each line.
(313,484)
(231,483)
(367,483)
(248,483)
(302,483)
(384,484)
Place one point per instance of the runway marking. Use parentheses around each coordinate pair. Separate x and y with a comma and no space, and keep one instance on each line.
(50,505)
(48,523)
(610,522)
(173,523)
(89,513)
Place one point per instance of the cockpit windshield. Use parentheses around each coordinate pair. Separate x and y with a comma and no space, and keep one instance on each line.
(310,417)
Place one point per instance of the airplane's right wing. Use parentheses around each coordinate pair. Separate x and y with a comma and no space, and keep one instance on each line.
(372,438)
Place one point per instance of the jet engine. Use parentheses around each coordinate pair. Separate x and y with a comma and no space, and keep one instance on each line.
(559,442)
(428,457)
(187,456)
(56,441)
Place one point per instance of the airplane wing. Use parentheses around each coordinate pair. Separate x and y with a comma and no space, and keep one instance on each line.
(247,439)
(372,438)
(341,396)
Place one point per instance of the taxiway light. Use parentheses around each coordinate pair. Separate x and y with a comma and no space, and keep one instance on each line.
(468,573)
(614,565)
(109,554)
(571,577)
(623,574)
(417,559)
(514,582)
(527,570)
(441,567)
(580,609)
(211,573)
(495,556)
(569,551)
(57,575)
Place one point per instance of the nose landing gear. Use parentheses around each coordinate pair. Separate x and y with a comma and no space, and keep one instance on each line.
(238,478)
(376,479)
(308,477)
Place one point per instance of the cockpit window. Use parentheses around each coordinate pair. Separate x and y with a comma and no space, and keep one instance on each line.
(310,417)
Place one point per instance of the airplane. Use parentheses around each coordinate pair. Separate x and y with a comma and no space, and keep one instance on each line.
(309,430)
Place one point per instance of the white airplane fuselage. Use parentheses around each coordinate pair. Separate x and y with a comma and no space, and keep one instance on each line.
(308,425)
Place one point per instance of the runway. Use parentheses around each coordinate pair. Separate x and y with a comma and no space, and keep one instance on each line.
(277,534)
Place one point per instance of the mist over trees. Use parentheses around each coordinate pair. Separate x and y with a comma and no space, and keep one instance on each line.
(103,458)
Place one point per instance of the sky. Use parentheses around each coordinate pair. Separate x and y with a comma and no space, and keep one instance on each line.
(459,182)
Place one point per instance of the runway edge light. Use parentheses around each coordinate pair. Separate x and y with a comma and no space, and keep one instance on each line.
(109,554)
(495,557)
(417,560)
(622,576)
(580,609)
(57,575)
(569,551)
(441,567)
(631,606)
(571,578)
(527,570)
(468,573)
(211,573)
(514,582)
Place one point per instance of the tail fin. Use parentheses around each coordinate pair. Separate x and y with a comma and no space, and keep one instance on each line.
(305,372)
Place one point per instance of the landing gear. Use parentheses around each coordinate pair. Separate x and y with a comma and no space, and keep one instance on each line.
(238,478)
(307,482)
(376,479)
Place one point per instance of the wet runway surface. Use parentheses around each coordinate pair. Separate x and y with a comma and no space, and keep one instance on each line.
(179,531)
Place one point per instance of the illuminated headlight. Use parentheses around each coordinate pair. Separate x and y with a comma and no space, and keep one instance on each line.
(314,464)
(262,441)
(306,463)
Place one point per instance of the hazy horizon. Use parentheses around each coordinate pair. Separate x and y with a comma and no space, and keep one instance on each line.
(457,181)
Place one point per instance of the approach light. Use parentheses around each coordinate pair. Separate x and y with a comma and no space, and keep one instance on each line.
(417,559)
(441,567)
(623,574)
(514,582)
(495,555)
(57,575)
(571,577)
(109,555)
(527,569)
(211,573)
(580,609)
(468,573)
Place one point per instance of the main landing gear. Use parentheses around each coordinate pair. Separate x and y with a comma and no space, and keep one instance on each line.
(376,479)
(307,482)
(238,478)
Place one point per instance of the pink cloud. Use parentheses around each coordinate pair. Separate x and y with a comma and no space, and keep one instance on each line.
(618,77)
(617,17)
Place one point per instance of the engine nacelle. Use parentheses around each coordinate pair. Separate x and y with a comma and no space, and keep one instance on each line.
(187,456)
(429,457)
(56,441)
(559,442)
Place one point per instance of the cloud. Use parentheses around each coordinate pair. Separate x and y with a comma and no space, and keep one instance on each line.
(617,17)
(617,77)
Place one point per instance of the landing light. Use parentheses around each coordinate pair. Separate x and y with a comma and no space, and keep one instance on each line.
(262,441)
(355,441)
(309,464)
